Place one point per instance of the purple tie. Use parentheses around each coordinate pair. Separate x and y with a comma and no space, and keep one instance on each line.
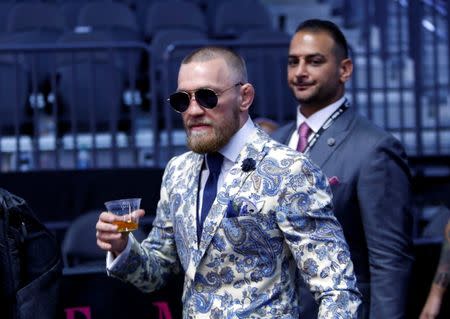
(303,133)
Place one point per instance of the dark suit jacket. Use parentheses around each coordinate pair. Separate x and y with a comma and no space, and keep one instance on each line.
(370,179)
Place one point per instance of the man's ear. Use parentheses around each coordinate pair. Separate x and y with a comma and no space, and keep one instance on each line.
(345,70)
(247,96)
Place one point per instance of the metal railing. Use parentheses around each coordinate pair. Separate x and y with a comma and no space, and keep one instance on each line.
(400,82)
(87,110)
(401,77)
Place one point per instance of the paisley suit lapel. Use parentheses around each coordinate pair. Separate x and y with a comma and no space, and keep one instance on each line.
(192,176)
(233,183)
(237,176)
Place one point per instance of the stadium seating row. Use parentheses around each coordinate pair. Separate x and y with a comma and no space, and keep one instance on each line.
(137,19)
(92,72)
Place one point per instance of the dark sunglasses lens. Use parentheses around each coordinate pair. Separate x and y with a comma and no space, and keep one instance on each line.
(206,98)
(179,101)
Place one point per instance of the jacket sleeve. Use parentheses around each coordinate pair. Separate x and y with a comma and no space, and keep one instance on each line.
(149,264)
(316,241)
(384,194)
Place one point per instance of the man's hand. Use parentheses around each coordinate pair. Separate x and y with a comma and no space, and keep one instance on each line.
(108,238)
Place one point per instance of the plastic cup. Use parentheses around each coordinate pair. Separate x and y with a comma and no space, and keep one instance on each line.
(125,208)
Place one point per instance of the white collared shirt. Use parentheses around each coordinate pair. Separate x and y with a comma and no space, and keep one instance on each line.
(315,121)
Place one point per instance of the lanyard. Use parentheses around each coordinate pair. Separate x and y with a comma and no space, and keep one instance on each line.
(326,125)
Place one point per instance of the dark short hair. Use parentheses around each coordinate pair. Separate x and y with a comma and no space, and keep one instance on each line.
(317,25)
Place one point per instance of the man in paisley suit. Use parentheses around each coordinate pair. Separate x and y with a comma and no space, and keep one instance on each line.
(270,222)
(367,169)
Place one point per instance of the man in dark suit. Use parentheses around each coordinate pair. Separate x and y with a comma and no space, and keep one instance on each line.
(366,167)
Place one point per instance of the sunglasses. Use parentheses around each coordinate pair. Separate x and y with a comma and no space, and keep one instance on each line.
(205,97)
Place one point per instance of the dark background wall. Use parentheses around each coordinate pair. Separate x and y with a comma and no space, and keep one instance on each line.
(64,195)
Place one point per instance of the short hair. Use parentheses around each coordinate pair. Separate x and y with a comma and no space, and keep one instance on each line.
(231,57)
(317,25)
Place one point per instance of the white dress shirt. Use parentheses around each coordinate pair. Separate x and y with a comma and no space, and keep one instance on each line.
(315,121)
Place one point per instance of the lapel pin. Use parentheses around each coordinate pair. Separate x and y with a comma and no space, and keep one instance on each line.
(331,141)
(248,164)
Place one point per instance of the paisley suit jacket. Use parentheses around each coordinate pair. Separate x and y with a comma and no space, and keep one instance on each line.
(271,222)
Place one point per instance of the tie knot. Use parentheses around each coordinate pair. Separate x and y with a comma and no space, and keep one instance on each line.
(304,130)
(214,161)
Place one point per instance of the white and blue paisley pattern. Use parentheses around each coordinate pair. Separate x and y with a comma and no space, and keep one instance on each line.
(267,222)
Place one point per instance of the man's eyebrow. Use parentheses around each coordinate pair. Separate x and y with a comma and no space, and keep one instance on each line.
(313,55)
(310,55)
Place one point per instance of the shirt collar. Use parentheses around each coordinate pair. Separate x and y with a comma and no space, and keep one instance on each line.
(237,142)
(316,120)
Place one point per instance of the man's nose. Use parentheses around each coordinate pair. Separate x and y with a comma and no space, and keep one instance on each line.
(194,107)
(301,68)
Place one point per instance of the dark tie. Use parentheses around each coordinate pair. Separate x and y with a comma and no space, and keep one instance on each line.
(303,133)
(214,161)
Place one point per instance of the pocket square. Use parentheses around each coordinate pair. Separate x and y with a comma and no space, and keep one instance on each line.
(334,180)
(240,207)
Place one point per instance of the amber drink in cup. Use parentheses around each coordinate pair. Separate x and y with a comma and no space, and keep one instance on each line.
(125,208)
